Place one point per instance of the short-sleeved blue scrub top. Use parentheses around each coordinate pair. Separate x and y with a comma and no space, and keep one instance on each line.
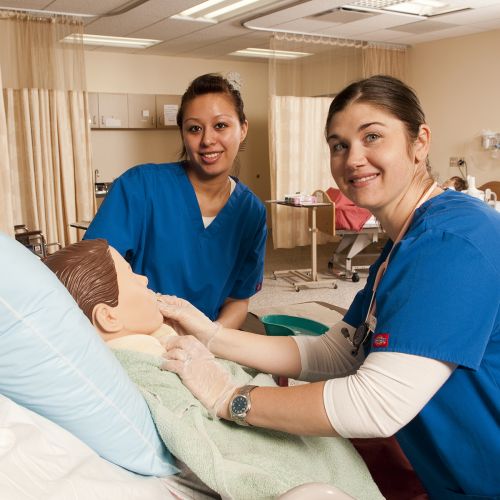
(440,298)
(151,216)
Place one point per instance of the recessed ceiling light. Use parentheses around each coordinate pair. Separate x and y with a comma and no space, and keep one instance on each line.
(269,53)
(205,13)
(200,7)
(421,8)
(111,41)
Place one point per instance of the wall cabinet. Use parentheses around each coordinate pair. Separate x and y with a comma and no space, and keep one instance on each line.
(141,111)
(93,110)
(132,111)
(113,112)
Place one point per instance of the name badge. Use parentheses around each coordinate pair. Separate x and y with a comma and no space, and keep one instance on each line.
(372,322)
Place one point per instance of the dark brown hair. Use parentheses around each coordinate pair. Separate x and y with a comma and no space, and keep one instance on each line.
(210,83)
(88,271)
(387,93)
(458,183)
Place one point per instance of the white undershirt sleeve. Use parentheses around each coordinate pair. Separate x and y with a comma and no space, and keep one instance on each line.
(329,355)
(385,394)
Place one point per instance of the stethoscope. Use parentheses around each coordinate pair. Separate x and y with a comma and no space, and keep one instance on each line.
(368,326)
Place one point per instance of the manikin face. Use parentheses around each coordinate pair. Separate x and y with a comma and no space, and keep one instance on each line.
(137,307)
(212,134)
(370,158)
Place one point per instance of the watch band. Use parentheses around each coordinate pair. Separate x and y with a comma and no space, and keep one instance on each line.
(240,405)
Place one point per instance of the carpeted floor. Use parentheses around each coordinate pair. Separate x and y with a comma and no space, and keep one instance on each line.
(280,292)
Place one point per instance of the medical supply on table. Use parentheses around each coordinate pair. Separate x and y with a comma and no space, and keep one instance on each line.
(299,199)
(488,196)
(472,189)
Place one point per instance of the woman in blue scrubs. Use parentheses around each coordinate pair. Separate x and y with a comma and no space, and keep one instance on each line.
(189,226)
(418,353)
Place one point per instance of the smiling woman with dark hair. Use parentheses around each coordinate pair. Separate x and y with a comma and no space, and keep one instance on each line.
(192,228)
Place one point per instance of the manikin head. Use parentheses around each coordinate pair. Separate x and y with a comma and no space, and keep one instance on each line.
(114,298)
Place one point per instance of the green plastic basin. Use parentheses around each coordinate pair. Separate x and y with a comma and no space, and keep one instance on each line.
(282,324)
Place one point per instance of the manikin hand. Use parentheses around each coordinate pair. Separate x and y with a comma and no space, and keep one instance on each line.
(196,366)
(186,319)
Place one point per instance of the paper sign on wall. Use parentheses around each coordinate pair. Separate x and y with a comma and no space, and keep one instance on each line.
(170,114)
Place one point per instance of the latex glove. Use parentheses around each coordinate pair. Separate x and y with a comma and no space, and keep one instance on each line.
(196,366)
(186,319)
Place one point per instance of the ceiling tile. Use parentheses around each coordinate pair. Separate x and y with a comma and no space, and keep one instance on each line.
(84,6)
(423,27)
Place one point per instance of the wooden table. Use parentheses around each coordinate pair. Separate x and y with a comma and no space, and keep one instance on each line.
(306,278)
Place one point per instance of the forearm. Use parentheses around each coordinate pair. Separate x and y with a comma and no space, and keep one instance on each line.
(275,355)
(297,410)
(233,313)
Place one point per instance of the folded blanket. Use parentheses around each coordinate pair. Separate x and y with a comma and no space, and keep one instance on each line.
(242,462)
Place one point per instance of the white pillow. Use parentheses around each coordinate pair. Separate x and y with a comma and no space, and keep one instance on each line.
(39,459)
(53,361)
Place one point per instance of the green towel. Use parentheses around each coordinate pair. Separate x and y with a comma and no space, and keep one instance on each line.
(242,462)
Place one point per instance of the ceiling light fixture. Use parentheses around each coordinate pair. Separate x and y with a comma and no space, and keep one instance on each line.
(420,8)
(204,13)
(269,53)
(111,41)
(200,7)
(229,8)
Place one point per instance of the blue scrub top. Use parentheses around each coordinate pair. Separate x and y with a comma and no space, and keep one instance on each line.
(152,217)
(440,298)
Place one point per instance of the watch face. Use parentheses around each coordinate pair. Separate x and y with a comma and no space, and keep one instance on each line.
(239,405)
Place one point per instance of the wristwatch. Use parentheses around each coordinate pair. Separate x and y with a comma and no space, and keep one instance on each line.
(240,405)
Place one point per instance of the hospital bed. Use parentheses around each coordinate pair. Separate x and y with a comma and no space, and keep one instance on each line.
(351,244)
(45,346)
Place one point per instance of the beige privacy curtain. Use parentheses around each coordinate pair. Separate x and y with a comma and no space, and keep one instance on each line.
(301,90)
(48,135)
(6,207)
(299,163)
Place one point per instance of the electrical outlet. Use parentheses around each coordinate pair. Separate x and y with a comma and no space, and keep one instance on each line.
(456,161)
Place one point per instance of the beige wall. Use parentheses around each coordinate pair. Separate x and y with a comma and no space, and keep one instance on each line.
(114,151)
(458,82)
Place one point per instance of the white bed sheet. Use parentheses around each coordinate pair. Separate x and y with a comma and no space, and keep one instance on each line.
(40,460)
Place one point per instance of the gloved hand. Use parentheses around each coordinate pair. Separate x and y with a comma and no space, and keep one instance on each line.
(186,319)
(196,366)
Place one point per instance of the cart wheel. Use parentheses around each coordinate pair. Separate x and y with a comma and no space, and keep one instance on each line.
(355,277)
